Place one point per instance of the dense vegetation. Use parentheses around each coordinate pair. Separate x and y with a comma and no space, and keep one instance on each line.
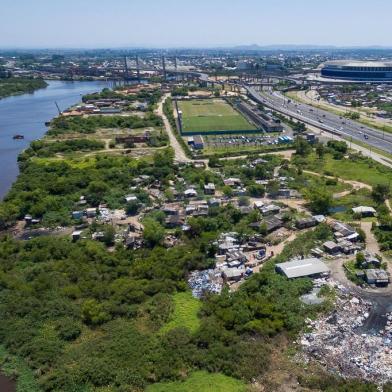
(46,149)
(14,86)
(82,316)
(151,97)
(50,190)
(78,124)
(86,319)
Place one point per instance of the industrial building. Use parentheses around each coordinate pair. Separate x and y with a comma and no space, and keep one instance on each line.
(311,267)
(266,122)
(358,70)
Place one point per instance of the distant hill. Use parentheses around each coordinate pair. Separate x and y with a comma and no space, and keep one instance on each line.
(256,47)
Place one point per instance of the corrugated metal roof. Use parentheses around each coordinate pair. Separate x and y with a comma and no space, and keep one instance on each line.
(301,268)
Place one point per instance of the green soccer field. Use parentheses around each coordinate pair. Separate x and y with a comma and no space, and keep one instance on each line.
(211,115)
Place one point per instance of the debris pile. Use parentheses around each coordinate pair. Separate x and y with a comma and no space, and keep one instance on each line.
(337,342)
(106,215)
(205,281)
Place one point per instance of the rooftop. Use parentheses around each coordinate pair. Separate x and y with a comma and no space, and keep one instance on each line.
(357,63)
(302,268)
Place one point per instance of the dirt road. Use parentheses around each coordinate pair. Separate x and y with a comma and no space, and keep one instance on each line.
(179,153)
(355,184)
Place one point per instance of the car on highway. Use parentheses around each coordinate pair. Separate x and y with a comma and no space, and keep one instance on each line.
(366,136)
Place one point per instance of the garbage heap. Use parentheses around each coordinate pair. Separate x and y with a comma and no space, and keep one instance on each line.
(336,342)
(205,281)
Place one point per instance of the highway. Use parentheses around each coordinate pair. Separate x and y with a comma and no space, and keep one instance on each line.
(323,119)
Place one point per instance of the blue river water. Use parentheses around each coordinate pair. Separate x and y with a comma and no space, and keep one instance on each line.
(26,115)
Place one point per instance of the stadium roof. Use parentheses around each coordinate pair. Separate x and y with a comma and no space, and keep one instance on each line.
(357,63)
(302,268)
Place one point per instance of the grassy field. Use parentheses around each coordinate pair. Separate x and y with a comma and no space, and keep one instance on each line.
(211,115)
(186,308)
(363,170)
(201,382)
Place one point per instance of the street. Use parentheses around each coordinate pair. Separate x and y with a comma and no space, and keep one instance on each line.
(323,119)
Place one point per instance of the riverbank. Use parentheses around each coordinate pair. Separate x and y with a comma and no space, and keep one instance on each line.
(17,86)
(26,114)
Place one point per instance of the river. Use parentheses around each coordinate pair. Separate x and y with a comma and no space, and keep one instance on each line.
(26,114)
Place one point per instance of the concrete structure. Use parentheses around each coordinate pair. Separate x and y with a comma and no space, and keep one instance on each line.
(311,267)
(358,70)
(260,119)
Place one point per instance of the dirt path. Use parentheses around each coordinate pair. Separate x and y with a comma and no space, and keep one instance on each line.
(179,153)
(287,154)
(355,184)
(371,242)
(388,204)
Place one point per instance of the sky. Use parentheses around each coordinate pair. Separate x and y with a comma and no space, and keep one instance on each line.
(193,23)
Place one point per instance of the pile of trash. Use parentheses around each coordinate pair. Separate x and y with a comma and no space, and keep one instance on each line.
(106,215)
(205,281)
(336,340)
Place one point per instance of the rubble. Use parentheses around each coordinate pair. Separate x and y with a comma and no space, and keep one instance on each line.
(205,281)
(340,343)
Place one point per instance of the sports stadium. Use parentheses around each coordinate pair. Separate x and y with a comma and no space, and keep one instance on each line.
(372,71)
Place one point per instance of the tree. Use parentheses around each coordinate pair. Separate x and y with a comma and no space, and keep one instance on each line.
(243,201)
(320,200)
(108,235)
(338,146)
(93,312)
(227,191)
(256,190)
(273,188)
(96,191)
(261,172)
(320,150)
(381,192)
(132,207)
(153,232)
(299,127)
(214,161)
(303,148)
(359,259)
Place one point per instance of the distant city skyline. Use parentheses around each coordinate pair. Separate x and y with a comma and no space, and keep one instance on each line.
(186,23)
